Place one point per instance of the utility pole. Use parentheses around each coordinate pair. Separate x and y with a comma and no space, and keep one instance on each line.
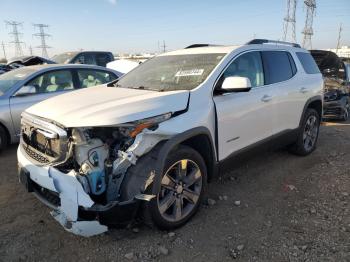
(16,35)
(42,35)
(164,46)
(308,30)
(30,50)
(3,49)
(289,19)
(339,37)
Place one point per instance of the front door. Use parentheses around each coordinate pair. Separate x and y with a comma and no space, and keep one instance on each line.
(244,118)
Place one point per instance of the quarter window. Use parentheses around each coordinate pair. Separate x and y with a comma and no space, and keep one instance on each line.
(247,65)
(277,66)
(308,63)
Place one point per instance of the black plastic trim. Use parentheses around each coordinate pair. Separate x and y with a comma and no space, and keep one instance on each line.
(172,143)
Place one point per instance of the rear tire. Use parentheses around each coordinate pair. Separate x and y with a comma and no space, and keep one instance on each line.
(345,116)
(3,139)
(307,134)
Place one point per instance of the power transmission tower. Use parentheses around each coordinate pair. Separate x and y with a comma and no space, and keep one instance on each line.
(308,31)
(42,35)
(339,37)
(16,34)
(3,49)
(290,20)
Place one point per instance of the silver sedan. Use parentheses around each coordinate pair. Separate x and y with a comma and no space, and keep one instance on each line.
(23,87)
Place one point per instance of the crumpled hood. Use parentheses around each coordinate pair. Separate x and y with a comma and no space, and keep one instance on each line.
(105,106)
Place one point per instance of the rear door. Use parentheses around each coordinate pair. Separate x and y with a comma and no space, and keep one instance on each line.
(280,78)
(46,85)
(244,118)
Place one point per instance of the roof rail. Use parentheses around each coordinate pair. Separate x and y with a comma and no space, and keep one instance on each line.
(198,45)
(266,41)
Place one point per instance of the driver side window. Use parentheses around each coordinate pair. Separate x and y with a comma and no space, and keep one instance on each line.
(248,65)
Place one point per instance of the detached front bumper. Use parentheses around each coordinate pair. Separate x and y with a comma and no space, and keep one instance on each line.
(72,207)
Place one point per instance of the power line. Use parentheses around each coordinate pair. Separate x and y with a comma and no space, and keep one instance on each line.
(308,30)
(16,35)
(289,19)
(42,35)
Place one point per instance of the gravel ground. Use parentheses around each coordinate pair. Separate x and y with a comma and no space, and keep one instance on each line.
(271,207)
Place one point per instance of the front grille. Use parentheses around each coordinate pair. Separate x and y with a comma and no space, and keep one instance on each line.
(37,157)
(43,141)
(50,196)
(335,111)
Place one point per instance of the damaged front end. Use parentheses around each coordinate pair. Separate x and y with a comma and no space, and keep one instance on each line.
(80,172)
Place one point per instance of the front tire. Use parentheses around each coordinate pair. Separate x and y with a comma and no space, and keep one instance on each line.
(345,115)
(307,134)
(182,188)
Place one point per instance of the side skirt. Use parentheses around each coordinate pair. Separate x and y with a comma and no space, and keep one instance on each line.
(271,143)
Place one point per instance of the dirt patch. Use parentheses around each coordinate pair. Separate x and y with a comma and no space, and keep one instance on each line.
(271,207)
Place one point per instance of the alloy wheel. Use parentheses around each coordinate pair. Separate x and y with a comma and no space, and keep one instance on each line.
(310,133)
(181,187)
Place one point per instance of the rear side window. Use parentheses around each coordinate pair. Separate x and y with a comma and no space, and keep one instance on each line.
(102,59)
(277,66)
(308,63)
(88,77)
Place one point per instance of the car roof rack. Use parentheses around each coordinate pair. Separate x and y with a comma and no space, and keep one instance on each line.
(198,45)
(266,41)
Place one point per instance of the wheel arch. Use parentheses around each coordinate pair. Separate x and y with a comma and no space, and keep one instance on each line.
(199,139)
(314,103)
(7,133)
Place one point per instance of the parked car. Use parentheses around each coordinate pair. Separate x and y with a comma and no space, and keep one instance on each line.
(123,65)
(18,62)
(100,58)
(149,142)
(337,85)
(25,86)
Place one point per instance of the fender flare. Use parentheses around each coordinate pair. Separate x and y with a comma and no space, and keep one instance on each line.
(308,102)
(173,142)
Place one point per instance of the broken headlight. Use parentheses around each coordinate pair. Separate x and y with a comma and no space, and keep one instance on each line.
(139,125)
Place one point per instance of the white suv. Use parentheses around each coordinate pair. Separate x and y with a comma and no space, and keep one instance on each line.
(148,143)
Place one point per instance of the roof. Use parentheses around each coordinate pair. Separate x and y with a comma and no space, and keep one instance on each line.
(58,66)
(203,50)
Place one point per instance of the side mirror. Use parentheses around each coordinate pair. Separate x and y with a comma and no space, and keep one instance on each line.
(26,90)
(236,84)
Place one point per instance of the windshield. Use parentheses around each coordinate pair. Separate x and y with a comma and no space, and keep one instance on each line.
(9,79)
(173,72)
(63,58)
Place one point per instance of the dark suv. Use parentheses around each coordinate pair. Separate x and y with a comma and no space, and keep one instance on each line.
(337,84)
(99,58)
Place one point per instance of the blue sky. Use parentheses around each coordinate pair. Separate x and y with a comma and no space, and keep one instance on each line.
(138,25)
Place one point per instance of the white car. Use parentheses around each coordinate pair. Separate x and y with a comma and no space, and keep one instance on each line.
(147,144)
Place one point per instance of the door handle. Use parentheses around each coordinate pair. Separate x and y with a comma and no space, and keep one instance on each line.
(266,98)
(303,90)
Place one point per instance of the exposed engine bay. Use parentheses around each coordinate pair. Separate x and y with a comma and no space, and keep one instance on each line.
(102,156)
